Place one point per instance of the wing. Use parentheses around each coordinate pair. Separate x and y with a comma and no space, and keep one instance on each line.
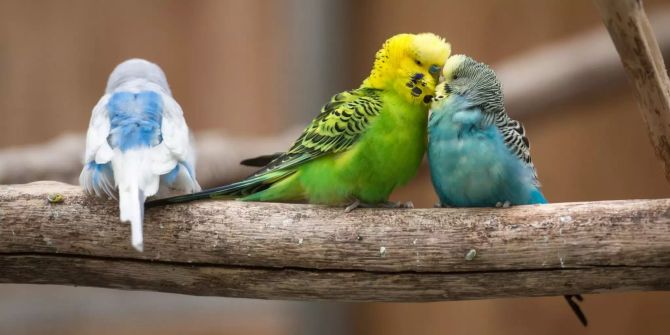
(97,147)
(514,136)
(96,177)
(176,146)
(339,125)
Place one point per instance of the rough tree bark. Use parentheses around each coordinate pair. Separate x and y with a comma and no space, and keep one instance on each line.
(642,59)
(284,251)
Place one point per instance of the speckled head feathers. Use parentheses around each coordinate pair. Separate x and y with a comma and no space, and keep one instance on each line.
(473,80)
(409,64)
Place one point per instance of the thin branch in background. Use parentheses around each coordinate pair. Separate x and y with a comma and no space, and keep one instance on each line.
(642,59)
(584,65)
(61,158)
(534,81)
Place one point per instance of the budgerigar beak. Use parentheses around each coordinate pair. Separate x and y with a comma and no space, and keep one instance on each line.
(434,71)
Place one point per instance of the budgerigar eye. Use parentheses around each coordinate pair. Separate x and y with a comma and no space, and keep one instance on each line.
(455,77)
(417,62)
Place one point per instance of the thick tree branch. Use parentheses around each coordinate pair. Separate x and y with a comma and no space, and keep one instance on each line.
(282,251)
(642,59)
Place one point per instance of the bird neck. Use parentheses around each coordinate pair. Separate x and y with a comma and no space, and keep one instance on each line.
(137,85)
(387,62)
(382,74)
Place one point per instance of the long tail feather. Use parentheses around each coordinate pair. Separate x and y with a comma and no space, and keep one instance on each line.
(572,299)
(574,305)
(227,191)
(261,161)
(204,194)
(254,183)
(131,209)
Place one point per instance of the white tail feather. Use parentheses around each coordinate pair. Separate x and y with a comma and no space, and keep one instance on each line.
(131,207)
(134,180)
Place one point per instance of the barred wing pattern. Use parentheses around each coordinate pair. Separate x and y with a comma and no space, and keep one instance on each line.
(339,125)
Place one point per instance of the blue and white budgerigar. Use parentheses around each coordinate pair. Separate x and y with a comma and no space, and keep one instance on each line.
(137,144)
(478,155)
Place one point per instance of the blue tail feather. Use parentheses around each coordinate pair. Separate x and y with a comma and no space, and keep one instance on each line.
(536,197)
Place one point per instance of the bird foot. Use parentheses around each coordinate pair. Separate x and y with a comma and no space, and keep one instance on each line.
(505,204)
(397,204)
(354,205)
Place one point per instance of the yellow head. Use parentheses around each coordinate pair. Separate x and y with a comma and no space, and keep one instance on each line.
(410,65)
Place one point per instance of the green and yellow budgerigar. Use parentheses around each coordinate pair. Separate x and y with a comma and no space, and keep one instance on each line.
(363,144)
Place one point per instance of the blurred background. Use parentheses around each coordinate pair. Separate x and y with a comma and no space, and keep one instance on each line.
(258,69)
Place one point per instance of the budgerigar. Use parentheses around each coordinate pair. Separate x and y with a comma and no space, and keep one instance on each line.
(137,144)
(478,155)
(363,144)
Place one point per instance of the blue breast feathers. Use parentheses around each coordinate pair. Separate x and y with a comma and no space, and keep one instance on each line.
(470,164)
(135,119)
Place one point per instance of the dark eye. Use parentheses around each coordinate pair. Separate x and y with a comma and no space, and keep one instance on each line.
(455,77)
(417,62)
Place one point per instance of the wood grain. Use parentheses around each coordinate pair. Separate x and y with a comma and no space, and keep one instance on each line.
(292,251)
(642,59)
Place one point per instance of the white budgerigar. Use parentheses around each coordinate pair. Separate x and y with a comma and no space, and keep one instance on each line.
(138,144)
